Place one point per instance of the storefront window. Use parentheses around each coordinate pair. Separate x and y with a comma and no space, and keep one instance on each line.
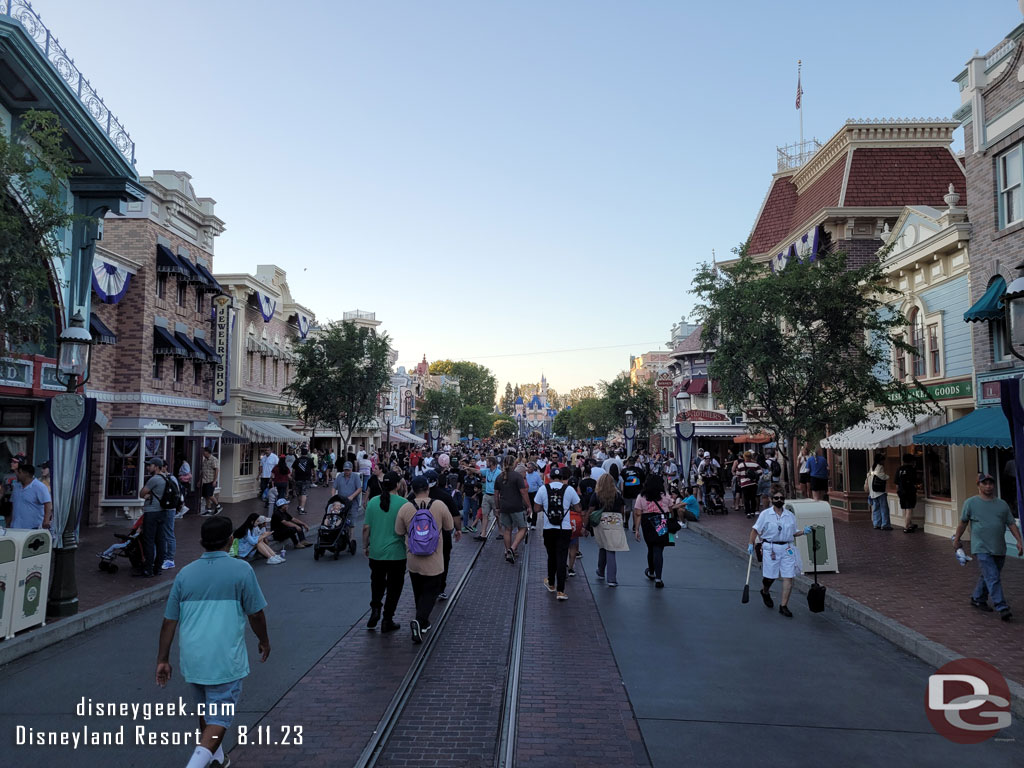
(12,445)
(213,443)
(154,447)
(122,468)
(245,461)
(937,472)
(857,462)
(838,470)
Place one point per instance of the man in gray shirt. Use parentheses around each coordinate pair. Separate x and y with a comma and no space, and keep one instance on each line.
(154,524)
(349,486)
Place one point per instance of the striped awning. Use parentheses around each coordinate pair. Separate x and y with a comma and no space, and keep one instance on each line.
(872,434)
(270,432)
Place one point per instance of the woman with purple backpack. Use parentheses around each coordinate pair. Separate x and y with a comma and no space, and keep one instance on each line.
(421,521)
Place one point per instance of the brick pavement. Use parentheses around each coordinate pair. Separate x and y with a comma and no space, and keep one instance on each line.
(914,579)
(573,705)
(340,700)
(461,731)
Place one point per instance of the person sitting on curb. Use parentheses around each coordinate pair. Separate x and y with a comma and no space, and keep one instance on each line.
(253,538)
(287,528)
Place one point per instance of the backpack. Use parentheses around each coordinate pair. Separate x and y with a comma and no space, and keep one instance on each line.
(171,496)
(556,507)
(423,533)
(753,473)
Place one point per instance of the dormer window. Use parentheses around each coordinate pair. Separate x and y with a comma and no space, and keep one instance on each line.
(1010,166)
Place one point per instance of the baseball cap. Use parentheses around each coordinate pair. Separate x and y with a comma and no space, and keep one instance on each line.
(420,483)
(282,503)
(556,472)
(346,465)
(431,476)
(985,477)
(156,461)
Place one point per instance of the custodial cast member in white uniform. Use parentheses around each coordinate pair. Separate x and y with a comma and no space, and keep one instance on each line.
(777,528)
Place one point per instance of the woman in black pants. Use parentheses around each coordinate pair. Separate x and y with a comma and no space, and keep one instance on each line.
(650,514)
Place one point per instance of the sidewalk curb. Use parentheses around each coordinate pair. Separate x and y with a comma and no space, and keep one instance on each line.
(903,637)
(43,637)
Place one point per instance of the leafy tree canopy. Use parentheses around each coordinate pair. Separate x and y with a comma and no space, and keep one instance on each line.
(477,385)
(809,345)
(476,415)
(503,428)
(443,403)
(621,395)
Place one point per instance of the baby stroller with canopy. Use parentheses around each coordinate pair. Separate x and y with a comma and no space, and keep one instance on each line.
(335,531)
(128,546)
(714,497)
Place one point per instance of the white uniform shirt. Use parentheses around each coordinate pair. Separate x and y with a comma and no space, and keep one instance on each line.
(267,464)
(569,498)
(773,527)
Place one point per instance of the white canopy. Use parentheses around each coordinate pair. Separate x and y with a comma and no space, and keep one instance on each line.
(271,431)
(870,434)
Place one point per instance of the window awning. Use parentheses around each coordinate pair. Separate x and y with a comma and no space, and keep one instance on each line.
(871,434)
(762,437)
(271,431)
(401,436)
(989,306)
(164,343)
(207,350)
(100,333)
(167,262)
(194,275)
(191,350)
(983,428)
(228,437)
(213,285)
(697,386)
(724,429)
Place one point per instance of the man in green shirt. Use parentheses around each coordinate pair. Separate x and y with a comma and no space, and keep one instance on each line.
(386,551)
(989,518)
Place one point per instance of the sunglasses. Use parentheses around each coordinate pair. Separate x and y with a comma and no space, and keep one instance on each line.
(778,498)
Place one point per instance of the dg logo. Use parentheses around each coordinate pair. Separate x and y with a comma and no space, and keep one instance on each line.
(968,701)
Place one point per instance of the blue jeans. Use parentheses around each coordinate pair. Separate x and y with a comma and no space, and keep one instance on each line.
(168,530)
(880,511)
(989,582)
(606,565)
(469,508)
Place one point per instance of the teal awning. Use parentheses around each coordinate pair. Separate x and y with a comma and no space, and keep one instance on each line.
(983,428)
(989,306)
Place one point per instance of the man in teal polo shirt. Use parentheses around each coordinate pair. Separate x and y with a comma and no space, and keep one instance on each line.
(211,598)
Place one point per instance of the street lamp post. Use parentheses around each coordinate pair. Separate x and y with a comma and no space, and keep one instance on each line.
(408,408)
(389,415)
(414,413)
(73,357)
(435,434)
(470,435)
(629,433)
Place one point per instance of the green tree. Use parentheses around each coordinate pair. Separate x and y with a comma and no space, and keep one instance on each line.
(809,344)
(563,424)
(503,428)
(340,375)
(478,416)
(579,393)
(508,401)
(593,417)
(443,403)
(477,385)
(621,395)
(35,165)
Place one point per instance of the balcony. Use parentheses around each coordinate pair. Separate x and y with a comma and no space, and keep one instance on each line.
(356,314)
(22,12)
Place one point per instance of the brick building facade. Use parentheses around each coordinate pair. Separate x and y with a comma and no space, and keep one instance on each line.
(152,292)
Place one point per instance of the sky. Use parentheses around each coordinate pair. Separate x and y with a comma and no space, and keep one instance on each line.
(529,185)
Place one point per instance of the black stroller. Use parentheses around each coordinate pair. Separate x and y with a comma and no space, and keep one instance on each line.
(335,531)
(129,546)
(714,497)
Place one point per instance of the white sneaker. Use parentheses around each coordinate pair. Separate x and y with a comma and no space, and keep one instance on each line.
(275,560)
(682,525)
(168,565)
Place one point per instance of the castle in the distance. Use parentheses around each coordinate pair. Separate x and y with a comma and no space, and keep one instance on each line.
(535,414)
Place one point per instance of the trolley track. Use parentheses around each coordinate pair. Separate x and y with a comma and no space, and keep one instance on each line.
(382,748)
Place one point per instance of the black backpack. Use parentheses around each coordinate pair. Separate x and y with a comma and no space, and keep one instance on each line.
(556,507)
(171,497)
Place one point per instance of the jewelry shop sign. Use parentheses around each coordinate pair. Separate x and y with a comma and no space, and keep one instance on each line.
(221,328)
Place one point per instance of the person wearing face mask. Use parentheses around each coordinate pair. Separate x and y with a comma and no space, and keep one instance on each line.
(776,526)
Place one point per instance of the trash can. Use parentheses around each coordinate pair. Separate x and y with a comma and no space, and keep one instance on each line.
(8,573)
(32,578)
(818,514)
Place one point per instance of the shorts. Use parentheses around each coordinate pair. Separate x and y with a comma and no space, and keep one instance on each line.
(785,565)
(819,483)
(805,478)
(487,505)
(208,490)
(366,482)
(220,702)
(302,487)
(512,519)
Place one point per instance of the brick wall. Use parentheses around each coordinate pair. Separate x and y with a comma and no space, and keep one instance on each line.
(277,328)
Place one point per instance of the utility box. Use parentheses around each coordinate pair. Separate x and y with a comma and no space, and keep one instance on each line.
(32,578)
(8,574)
(818,514)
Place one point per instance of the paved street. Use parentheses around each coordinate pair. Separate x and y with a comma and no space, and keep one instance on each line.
(691,669)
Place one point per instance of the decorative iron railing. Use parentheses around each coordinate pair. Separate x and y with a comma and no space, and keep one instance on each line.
(22,12)
(358,314)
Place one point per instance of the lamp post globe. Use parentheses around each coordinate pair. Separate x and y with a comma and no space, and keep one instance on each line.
(629,418)
(74,351)
(1013,306)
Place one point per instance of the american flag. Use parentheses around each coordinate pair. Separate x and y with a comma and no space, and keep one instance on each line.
(799,90)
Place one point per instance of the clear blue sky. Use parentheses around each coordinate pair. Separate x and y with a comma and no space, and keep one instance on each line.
(503,178)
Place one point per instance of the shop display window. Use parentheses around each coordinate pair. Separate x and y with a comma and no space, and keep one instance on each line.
(937,472)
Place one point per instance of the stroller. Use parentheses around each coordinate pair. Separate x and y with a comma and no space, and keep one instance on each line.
(129,546)
(714,501)
(335,531)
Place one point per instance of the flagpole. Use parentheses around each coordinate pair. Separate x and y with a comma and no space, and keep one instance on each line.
(799,65)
